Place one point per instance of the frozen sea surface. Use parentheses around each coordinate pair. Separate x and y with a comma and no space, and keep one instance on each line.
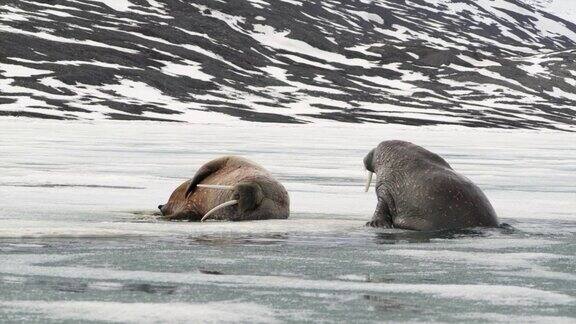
(79,240)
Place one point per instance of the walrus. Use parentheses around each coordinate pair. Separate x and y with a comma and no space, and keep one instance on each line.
(228,188)
(418,190)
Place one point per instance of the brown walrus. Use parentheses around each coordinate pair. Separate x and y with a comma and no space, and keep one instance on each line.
(228,188)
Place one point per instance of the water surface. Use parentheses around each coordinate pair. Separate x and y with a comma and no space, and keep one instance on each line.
(79,240)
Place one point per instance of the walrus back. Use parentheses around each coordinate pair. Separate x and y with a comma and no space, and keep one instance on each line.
(455,201)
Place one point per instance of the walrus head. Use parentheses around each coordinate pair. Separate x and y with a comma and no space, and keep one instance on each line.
(247,195)
(369,165)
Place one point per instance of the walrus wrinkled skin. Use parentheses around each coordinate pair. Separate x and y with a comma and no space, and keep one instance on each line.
(418,190)
(228,188)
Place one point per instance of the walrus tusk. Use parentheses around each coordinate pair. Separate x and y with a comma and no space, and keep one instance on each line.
(368,181)
(216,186)
(211,211)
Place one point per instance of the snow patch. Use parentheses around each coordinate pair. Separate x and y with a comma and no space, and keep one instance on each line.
(11,71)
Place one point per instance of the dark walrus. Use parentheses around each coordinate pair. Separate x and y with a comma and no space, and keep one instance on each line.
(228,188)
(418,190)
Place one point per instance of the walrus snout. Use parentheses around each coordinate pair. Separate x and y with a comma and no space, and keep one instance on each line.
(369,161)
(162,209)
(369,165)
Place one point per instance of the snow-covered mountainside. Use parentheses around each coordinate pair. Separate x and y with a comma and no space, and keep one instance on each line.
(480,63)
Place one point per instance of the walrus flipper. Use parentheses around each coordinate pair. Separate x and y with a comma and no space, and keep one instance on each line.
(382,216)
(204,172)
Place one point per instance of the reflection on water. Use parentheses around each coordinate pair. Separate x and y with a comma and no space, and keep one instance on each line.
(406,236)
(373,278)
(426,237)
(65,286)
(234,239)
(76,286)
(150,288)
(384,304)
(211,272)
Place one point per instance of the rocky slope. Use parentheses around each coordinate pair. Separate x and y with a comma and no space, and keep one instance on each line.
(480,63)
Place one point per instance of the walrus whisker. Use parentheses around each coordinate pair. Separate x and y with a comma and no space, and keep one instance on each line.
(211,211)
(223,187)
(368,181)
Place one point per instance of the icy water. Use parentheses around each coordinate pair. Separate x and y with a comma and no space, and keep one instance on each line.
(79,241)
